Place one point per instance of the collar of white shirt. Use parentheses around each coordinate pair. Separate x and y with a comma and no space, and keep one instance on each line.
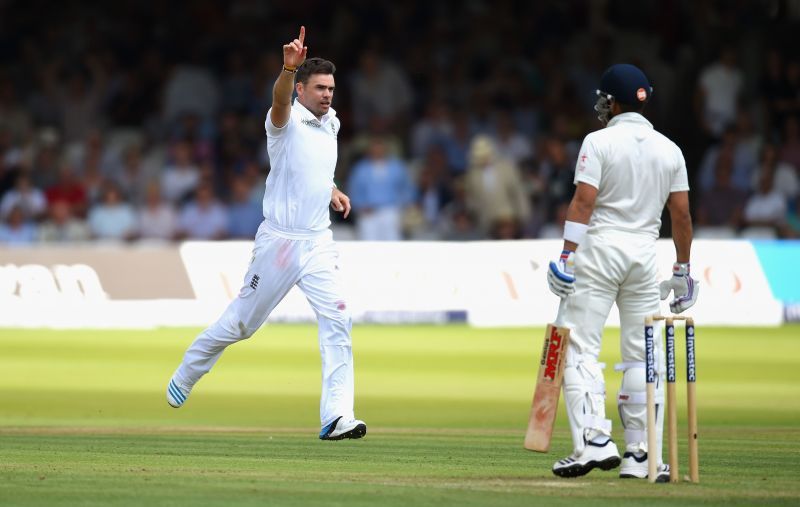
(630,118)
(308,115)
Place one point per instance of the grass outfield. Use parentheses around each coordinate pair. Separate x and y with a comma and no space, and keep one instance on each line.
(83,421)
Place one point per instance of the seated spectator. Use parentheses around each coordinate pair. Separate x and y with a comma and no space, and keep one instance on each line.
(744,160)
(112,218)
(63,226)
(722,205)
(204,217)
(431,129)
(380,188)
(456,222)
(787,181)
(509,141)
(767,207)
(494,190)
(433,189)
(15,230)
(29,199)
(133,177)
(68,188)
(157,217)
(181,177)
(456,145)
(245,214)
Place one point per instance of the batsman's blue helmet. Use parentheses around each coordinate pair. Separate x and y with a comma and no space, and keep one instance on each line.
(626,84)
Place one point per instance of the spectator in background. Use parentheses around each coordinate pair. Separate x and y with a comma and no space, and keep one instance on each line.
(494,191)
(182,176)
(245,214)
(68,188)
(722,205)
(433,193)
(767,207)
(380,188)
(508,141)
(112,218)
(45,155)
(431,129)
(557,171)
(786,179)
(14,118)
(15,230)
(457,223)
(30,201)
(237,86)
(790,151)
(157,218)
(719,89)
(62,226)
(744,161)
(191,88)
(133,177)
(380,88)
(204,217)
(456,145)
(79,99)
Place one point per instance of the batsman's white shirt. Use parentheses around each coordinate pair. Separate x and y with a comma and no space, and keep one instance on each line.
(293,246)
(634,168)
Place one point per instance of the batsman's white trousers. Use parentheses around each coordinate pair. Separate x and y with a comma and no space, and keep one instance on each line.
(611,266)
(280,262)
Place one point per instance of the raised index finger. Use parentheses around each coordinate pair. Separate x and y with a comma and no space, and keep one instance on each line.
(302,34)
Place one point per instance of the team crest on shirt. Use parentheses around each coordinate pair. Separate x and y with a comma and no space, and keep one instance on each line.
(333,130)
(311,123)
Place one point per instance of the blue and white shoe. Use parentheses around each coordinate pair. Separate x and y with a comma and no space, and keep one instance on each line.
(177,393)
(340,429)
(604,456)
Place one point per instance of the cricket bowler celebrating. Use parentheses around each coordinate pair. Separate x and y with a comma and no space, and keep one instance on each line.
(624,176)
(293,245)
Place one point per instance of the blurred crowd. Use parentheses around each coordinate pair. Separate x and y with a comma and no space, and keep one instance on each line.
(460,120)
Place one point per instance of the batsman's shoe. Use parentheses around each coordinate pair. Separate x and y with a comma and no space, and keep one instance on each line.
(340,429)
(634,466)
(603,456)
(177,392)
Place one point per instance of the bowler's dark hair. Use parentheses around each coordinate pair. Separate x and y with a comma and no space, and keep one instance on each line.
(314,66)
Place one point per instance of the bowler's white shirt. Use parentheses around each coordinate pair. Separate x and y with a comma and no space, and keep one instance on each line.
(302,157)
(634,169)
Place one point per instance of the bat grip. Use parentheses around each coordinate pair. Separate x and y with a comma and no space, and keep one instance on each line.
(562,307)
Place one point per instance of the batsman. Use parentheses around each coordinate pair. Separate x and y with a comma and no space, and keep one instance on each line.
(625,174)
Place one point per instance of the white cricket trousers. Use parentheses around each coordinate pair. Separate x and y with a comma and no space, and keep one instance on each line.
(611,266)
(278,264)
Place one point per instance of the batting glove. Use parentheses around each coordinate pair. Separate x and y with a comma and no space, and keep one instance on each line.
(561,275)
(686,288)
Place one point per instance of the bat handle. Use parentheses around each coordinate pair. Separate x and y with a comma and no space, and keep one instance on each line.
(562,307)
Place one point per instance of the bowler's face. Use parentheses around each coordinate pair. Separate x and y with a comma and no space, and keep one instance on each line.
(317,94)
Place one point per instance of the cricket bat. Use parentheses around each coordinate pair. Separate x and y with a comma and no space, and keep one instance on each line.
(548,387)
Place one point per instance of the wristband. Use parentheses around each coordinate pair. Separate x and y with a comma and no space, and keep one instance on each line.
(575,231)
(680,268)
(290,70)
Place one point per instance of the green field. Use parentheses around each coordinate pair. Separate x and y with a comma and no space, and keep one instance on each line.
(84,421)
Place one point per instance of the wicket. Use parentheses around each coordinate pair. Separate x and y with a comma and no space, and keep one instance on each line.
(672,409)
